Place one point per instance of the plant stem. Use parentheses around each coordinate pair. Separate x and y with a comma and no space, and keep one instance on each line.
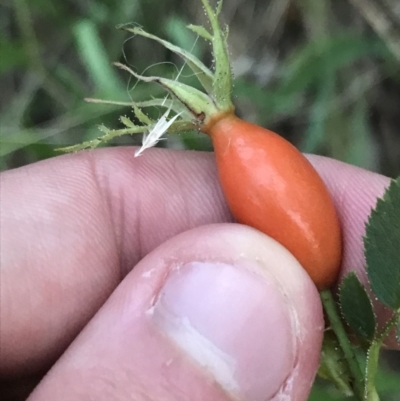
(337,326)
(371,371)
(373,358)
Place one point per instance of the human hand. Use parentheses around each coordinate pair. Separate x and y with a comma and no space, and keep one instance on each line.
(215,310)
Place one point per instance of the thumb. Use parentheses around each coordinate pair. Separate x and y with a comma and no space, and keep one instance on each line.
(221,312)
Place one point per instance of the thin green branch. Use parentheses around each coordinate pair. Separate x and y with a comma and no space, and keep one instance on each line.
(371,371)
(109,134)
(110,102)
(223,75)
(176,127)
(337,326)
(373,357)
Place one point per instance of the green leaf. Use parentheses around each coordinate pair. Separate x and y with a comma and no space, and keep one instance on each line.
(357,307)
(382,247)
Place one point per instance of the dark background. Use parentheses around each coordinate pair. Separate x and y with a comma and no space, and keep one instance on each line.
(322,73)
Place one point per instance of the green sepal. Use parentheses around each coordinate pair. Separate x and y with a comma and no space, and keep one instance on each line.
(201,31)
(219,7)
(198,104)
(203,74)
(356,307)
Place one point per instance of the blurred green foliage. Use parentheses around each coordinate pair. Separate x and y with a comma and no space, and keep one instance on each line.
(316,73)
(312,70)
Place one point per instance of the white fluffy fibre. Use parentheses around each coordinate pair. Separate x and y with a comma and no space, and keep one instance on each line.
(154,136)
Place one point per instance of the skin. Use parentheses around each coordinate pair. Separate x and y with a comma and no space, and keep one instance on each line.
(73,228)
(271,186)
